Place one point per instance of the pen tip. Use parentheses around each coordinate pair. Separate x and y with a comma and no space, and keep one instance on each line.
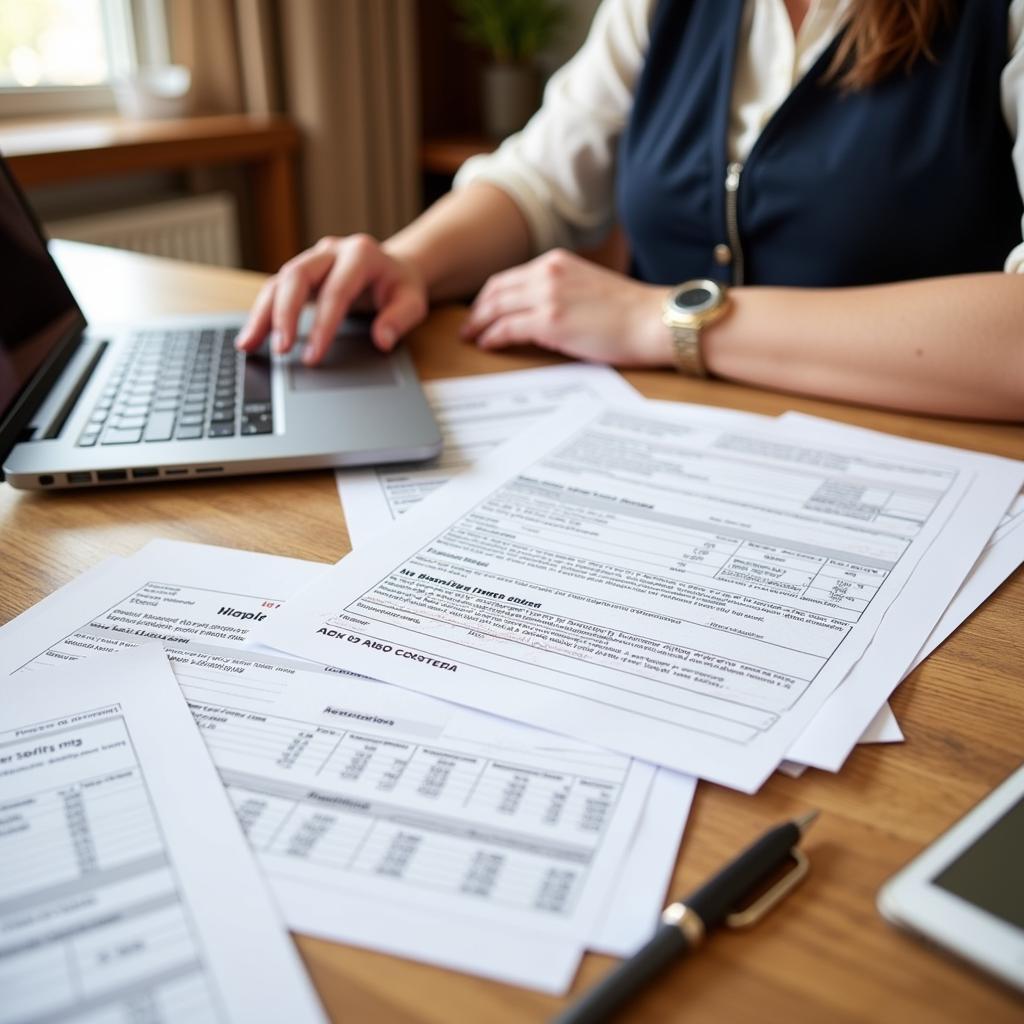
(804,822)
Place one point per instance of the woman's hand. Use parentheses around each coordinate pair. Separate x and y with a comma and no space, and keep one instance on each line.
(341,273)
(565,303)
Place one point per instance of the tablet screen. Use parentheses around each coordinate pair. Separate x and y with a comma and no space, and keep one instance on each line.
(990,872)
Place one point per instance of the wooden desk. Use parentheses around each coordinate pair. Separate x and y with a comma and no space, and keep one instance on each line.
(46,152)
(826,955)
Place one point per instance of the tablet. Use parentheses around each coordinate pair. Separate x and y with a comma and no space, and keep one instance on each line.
(966,891)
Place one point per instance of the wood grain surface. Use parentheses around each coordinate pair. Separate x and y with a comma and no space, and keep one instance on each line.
(826,954)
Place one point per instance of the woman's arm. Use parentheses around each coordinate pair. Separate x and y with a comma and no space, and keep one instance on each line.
(464,238)
(949,346)
(549,184)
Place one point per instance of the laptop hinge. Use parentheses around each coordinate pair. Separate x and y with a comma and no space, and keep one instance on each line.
(68,405)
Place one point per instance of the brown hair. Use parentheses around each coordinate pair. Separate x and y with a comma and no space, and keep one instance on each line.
(883,36)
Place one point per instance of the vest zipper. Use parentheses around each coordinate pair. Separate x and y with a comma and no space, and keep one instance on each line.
(732,187)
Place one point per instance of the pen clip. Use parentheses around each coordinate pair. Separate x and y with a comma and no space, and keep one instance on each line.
(775,895)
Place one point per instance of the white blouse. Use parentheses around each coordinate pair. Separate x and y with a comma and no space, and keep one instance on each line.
(560,168)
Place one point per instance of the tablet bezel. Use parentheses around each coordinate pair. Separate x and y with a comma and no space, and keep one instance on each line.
(911,899)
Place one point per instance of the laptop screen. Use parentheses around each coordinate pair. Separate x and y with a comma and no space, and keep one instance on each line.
(37,310)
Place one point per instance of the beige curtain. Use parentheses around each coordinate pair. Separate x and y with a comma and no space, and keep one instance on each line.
(344,70)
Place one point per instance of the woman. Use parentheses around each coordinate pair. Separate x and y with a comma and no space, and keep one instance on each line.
(848,166)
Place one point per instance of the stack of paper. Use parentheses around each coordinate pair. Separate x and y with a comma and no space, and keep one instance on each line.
(381,817)
(684,585)
(475,740)
(126,890)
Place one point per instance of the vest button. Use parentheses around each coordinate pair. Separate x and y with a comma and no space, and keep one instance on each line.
(723,255)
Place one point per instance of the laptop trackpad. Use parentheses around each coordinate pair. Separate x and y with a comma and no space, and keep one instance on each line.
(352,362)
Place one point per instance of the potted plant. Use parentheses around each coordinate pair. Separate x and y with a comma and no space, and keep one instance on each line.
(513,32)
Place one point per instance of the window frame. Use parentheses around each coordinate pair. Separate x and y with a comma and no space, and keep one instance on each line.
(135,36)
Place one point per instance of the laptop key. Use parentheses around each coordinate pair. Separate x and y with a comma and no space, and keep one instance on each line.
(160,427)
(221,430)
(189,433)
(191,419)
(88,439)
(129,422)
(258,424)
(115,435)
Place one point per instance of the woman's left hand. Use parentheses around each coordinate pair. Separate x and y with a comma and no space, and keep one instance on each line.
(563,302)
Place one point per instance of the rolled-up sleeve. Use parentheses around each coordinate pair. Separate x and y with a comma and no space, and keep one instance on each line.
(560,168)
(1013,109)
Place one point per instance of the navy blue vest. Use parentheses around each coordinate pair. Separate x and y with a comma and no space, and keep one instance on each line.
(909,178)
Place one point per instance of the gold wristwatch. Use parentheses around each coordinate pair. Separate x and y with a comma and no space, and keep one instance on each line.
(689,308)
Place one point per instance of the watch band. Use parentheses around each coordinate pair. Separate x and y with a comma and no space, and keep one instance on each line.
(686,346)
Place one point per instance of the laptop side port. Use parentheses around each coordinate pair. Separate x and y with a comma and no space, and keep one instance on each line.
(145,471)
(110,475)
(80,477)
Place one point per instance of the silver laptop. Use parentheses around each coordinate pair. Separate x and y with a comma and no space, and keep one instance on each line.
(171,399)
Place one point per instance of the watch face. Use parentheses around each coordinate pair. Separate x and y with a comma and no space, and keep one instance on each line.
(695,298)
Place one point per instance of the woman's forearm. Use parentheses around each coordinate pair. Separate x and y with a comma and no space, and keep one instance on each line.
(949,346)
(464,238)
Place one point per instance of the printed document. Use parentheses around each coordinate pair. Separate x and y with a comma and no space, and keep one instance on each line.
(1003,555)
(829,738)
(674,589)
(127,891)
(381,817)
(475,416)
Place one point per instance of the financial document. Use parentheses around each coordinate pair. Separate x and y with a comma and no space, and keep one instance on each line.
(643,881)
(829,738)
(667,587)
(1003,555)
(1000,558)
(375,813)
(475,415)
(478,415)
(127,892)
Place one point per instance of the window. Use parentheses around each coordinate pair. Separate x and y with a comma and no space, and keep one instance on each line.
(61,55)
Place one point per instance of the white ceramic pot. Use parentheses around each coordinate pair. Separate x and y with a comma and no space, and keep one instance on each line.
(154,92)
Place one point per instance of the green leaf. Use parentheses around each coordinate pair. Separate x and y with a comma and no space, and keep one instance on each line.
(513,31)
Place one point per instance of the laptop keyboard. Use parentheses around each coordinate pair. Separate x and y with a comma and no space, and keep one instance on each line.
(182,385)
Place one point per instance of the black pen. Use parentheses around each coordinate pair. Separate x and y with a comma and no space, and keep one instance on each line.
(685,923)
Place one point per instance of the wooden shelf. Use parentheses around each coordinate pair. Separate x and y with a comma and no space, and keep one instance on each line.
(447,155)
(51,151)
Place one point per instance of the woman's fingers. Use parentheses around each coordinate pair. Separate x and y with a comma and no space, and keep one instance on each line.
(400,312)
(251,336)
(513,294)
(339,271)
(297,279)
(514,329)
(353,269)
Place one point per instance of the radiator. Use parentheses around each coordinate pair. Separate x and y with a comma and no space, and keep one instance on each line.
(203,229)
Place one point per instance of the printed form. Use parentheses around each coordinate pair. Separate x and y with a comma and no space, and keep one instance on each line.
(675,589)
(1002,556)
(936,587)
(119,899)
(475,415)
(381,817)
